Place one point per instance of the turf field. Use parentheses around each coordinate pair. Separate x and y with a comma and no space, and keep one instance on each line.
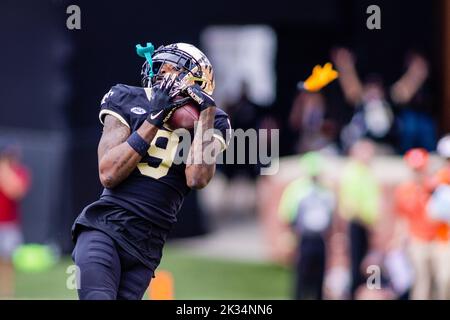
(195,278)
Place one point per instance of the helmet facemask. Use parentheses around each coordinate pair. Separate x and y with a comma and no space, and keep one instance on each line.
(170,59)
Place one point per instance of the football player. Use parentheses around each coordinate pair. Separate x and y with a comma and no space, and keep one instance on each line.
(119,238)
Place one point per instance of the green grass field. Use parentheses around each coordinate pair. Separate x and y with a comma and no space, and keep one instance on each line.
(195,278)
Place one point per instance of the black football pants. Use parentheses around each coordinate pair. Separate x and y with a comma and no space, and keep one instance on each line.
(107,272)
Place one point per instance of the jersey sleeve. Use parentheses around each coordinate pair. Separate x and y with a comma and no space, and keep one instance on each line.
(113,103)
(222,130)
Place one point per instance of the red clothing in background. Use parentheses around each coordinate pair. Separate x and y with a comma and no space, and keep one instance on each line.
(443,177)
(9,208)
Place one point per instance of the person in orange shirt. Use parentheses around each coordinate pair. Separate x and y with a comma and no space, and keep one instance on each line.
(410,203)
(439,210)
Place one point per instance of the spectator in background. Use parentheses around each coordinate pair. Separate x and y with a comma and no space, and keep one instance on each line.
(359,204)
(439,210)
(374,117)
(415,226)
(308,120)
(14,182)
(410,93)
(308,205)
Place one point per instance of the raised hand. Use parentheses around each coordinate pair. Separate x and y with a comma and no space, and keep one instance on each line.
(161,103)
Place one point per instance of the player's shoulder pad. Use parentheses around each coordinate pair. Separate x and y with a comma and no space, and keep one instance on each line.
(221,119)
(115,102)
(220,113)
(118,95)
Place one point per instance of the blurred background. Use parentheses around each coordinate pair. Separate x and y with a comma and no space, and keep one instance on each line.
(360,206)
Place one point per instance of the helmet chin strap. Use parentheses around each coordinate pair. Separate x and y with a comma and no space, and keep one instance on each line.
(146,52)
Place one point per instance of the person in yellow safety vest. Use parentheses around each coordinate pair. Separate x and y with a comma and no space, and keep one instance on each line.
(359,203)
(308,205)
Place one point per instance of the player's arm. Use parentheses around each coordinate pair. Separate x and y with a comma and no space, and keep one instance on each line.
(200,170)
(201,165)
(116,158)
(119,150)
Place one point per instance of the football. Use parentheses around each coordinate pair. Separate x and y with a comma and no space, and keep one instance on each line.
(184,117)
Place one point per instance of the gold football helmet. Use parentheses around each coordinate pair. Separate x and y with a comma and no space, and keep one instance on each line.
(184,59)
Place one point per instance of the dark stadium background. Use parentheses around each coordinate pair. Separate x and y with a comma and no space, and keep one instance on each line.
(52,79)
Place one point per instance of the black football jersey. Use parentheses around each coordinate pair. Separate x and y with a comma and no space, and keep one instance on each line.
(155,190)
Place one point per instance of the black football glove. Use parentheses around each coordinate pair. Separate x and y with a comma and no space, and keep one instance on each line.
(161,103)
(203,99)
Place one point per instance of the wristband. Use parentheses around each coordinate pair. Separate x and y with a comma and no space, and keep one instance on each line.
(138,144)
